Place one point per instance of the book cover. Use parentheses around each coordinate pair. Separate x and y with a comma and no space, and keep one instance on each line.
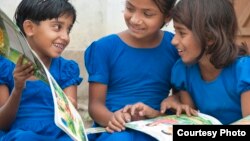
(13,44)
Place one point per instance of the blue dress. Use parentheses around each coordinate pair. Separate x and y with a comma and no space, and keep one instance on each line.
(219,98)
(35,117)
(132,75)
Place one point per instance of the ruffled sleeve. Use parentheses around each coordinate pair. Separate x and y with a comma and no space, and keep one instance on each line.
(243,74)
(179,76)
(6,76)
(96,62)
(70,74)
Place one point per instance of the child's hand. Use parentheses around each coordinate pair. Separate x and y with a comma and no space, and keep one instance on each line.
(172,102)
(22,72)
(118,121)
(140,111)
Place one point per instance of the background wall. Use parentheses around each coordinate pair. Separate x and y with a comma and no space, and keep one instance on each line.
(95,18)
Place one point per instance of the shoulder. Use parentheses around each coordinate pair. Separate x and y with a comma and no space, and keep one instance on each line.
(168,35)
(179,65)
(66,63)
(106,40)
(103,46)
(182,69)
(243,60)
(240,67)
(69,72)
(166,42)
(167,38)
(241,63)
(6,66)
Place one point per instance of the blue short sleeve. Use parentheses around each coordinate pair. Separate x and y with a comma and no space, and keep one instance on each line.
(70,74)
(179,76)
(96,62)
(243,74)
(6,69)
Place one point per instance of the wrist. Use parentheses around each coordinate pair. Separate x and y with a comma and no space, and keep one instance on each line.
(17,89)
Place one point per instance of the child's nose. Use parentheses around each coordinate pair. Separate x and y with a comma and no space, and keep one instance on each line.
(136,19)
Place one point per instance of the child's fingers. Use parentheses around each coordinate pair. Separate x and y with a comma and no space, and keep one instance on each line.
(194,112)
(28,68)
(109,130)
(121,121)
(127,117)
(133,109)
(126,109)
(115,125)
(137,107)
(164,107)
(178,110)
(20,60)
(187,109)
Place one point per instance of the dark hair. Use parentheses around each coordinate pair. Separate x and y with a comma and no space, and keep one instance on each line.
(41,10)
(165,6)
(211,20)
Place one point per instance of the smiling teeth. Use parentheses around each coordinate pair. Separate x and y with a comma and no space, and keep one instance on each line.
(179,50)
(59,46)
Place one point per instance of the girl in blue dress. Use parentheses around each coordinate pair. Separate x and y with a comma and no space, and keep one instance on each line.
(212,75)
(129,67)
(27,109)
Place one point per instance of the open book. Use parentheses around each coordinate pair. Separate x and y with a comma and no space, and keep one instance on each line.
(161,127)
(13,44)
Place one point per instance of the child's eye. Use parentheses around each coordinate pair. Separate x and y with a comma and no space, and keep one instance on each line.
(130,9)
(57,27)
(182,33)
(148,14)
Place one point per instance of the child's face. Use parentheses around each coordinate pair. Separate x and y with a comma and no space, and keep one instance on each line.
(50,37)
(186,43)
(143,17)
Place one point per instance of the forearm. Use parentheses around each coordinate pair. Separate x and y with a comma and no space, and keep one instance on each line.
(245,105)
(9,109)
(100,114)
(185,98)
(71,93)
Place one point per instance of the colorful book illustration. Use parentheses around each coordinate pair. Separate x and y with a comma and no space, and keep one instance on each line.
(161,127)
(13,44)
(66,116)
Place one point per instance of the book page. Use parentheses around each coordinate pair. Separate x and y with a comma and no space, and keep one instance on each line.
(161,127)
(243,121)
(66,116)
